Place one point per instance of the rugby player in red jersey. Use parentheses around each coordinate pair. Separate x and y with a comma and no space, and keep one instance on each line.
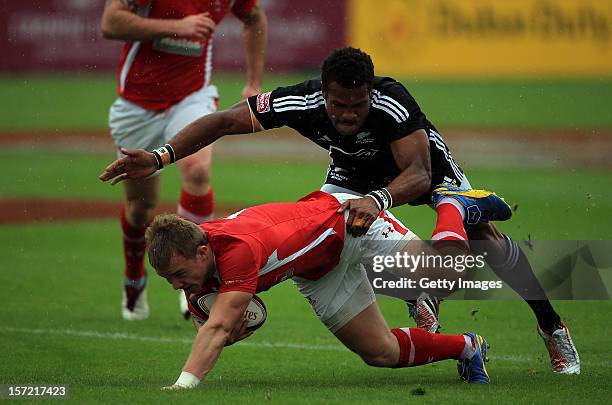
(307,241)
(164,83)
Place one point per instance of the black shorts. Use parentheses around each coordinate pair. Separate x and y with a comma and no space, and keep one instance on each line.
(361,181)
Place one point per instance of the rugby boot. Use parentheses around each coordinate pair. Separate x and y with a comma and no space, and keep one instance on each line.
(425,312)
(474,370)
(479,205)
(564,357)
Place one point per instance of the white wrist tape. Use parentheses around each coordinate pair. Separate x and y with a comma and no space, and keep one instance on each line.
(187,380)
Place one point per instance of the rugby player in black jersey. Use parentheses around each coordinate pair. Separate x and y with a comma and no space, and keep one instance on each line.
(382,146)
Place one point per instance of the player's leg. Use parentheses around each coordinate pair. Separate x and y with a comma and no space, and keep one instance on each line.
(196,200)
(423,309)
(456,204)
(508,261)
(133,127)
(136,213)
(368,335)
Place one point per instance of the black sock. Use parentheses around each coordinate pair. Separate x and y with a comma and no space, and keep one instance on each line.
(548,319)
(514,269)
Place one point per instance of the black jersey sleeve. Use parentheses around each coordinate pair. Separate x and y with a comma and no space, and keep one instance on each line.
(400,112)
(291,106)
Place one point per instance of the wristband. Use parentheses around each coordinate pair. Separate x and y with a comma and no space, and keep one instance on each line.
(382,197)
(187,380)
(164,156)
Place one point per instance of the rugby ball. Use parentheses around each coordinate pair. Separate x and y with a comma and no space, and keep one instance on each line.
(202,302)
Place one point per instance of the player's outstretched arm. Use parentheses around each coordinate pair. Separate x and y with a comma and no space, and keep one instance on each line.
(226,317)
(138,164)
(207,129)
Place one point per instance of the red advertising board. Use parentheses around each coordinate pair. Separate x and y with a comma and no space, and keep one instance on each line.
(60,35)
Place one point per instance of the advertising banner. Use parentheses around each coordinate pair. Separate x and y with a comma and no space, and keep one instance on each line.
(485,37)
(59,35)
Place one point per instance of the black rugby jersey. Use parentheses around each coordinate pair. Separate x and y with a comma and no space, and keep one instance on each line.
(362,162)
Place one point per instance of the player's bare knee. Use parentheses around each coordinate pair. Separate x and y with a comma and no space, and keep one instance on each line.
(197,174)
(139,212)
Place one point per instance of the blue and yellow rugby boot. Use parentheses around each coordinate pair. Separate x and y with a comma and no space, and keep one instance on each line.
(474,370)
(479,205)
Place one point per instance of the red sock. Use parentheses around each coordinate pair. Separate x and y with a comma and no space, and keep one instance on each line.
(417,346)
(449,227)
(133,248)
(196,208)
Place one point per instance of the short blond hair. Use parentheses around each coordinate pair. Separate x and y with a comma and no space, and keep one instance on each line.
(170,235)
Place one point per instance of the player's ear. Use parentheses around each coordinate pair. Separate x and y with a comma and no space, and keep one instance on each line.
(203,251)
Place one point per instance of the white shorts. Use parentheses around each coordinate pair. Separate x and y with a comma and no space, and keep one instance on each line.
(133,127)
(345,291)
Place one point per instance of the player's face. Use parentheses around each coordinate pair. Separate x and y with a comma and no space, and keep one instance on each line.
(347,108)
(189,274)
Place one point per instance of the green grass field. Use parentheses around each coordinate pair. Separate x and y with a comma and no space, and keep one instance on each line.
(60,282)
(81,102)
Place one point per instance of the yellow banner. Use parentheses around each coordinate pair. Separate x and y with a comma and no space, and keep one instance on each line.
(485,37)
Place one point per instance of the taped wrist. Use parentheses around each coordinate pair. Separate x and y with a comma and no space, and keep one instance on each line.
(382,197)
(164,156)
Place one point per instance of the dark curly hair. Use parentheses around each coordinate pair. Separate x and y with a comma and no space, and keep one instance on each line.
(349,67)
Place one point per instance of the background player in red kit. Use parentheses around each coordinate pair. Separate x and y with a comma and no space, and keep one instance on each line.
(163,85)
(256,248)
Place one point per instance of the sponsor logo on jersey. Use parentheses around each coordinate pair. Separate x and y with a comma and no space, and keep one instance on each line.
(337,174)
(179,46)
(361,153)
(233,281)
(387,232)
(363,137)
(263,103)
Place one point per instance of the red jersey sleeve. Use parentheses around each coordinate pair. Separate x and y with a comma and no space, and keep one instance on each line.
(238,266)
(242,8)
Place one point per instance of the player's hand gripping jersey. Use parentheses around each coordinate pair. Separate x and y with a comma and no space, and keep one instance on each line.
(159,73)
(362,162)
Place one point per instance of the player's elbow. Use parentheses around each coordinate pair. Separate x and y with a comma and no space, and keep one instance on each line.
(256,19)
(107,29)
(110,25)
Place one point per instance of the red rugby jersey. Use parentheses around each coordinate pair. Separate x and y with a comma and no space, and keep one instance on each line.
(160,73)
(259,247)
